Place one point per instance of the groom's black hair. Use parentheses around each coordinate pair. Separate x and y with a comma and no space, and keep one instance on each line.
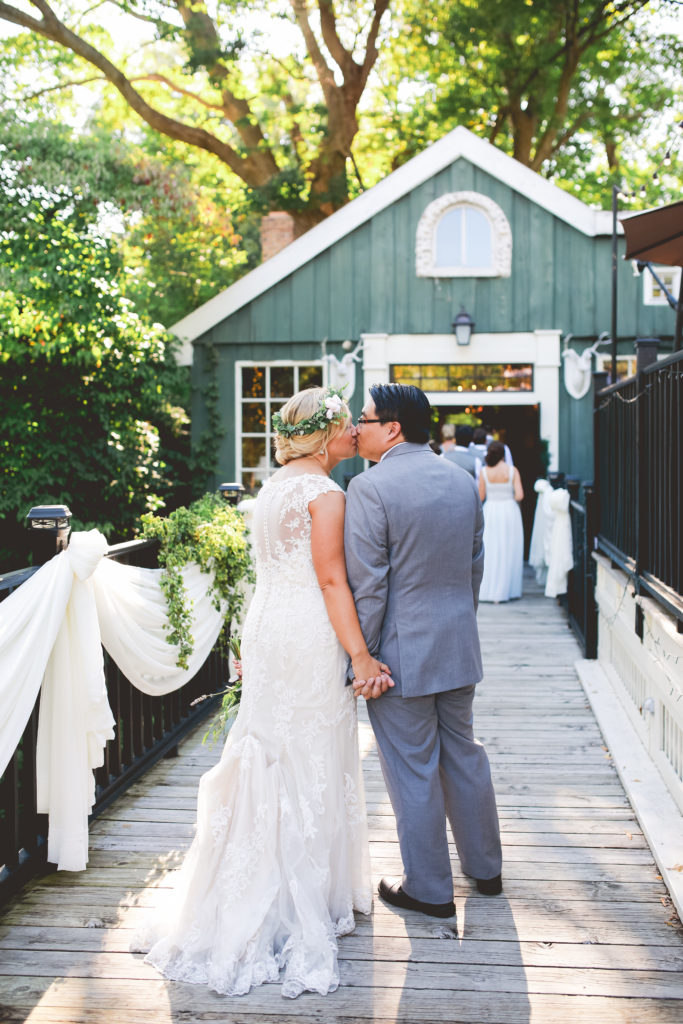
(407,405)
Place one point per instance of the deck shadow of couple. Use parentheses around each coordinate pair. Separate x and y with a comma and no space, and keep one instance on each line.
(468,968)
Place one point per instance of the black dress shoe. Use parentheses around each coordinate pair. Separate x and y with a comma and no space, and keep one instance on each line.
(394,894)
(490,886)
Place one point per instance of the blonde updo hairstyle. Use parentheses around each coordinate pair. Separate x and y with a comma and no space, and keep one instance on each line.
(300,407)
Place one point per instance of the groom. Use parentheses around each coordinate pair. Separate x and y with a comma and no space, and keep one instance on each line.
(414,555)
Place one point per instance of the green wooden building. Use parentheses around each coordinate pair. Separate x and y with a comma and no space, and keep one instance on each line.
(371,295)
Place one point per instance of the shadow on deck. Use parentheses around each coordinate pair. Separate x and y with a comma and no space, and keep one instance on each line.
(585,930)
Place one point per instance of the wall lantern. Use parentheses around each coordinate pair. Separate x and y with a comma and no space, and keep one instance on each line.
(463,325)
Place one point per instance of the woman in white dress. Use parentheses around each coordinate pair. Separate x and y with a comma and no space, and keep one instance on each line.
(500,488)
(280,858)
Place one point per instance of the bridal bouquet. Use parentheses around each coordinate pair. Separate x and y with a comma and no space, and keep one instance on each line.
(231,695)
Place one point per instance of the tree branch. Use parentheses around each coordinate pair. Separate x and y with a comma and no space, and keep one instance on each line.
(552,140)
(325,77)
(154,76)
(63,85)
(371,51)
(50,27)
(328,26)
(203,38)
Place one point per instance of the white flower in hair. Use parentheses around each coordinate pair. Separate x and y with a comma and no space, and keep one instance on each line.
(333,405)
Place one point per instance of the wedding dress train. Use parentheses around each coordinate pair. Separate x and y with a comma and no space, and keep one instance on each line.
(280,858)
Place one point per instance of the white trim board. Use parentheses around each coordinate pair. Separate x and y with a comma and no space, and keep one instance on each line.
(458,143)
(655,808)
(541,347)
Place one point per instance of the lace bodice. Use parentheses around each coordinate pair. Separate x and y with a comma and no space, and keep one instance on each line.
(281,530)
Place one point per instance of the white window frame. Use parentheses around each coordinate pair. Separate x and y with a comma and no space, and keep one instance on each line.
(650,285)
(603,363)
(501,237)
(240,400)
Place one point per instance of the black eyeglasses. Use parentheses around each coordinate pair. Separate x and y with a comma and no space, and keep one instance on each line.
(362,421)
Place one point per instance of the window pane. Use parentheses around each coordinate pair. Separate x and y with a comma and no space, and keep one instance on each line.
(282,381)
(253,382)
(310,377)
(459,374)
(477,239)
(274,407)
(253,418)
(449,239)
(464,377)
(435,384)
(434,370)
(253,451)
(252,480)
(517,378)
(406,375)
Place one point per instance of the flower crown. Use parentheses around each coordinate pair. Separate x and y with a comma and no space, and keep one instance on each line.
(331,411)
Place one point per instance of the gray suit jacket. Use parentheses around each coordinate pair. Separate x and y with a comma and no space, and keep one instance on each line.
(415,558)
(465,459)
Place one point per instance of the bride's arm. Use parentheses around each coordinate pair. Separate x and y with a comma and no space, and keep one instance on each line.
(327,548)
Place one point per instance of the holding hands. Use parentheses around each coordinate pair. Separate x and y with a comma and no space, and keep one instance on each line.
(372,678)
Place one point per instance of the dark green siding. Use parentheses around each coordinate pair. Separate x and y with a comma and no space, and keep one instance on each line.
(366,282)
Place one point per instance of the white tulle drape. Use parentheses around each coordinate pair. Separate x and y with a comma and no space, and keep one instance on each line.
(539,548)
(551,552)
(52,629)
(561,559)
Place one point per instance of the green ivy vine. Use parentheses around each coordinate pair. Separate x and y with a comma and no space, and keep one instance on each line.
(213,534)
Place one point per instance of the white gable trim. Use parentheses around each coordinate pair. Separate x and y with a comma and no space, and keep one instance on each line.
(458,143)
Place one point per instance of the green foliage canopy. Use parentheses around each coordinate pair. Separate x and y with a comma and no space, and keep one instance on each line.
(91,395)
(282,117)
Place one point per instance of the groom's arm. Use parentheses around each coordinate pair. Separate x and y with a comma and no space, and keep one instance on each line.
(367,556)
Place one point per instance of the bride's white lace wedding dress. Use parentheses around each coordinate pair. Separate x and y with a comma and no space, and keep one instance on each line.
(280,858)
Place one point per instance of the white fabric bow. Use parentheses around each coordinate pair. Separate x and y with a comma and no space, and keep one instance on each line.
(51,630)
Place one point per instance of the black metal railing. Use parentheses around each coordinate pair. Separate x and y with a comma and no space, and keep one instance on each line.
(639,469)
(147,729)
(581,607)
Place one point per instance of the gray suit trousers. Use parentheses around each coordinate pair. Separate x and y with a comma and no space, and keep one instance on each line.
(434,767)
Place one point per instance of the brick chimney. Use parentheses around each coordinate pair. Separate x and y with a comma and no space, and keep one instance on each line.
(277,231)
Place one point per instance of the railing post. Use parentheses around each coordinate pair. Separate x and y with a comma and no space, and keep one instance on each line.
(599,382)
(572,484)
(646,355)
(591,612)
(50,528)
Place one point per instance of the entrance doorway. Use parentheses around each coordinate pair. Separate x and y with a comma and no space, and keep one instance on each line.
(517,426)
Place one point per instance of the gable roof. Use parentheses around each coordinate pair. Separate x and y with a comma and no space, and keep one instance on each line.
(458,143)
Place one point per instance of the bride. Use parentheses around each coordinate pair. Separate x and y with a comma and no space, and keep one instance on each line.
(280,858)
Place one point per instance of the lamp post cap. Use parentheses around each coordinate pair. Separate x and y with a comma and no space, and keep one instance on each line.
(48,512)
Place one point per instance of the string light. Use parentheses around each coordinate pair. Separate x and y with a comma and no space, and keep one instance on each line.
(641,193)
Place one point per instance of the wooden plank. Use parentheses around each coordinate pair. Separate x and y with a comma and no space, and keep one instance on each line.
(396,973)
(584,931)
(374,947)
(392,1003)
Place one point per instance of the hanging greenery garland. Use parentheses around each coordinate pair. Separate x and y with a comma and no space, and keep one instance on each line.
(213,534)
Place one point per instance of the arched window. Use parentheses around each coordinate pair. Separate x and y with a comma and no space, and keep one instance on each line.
(463,234)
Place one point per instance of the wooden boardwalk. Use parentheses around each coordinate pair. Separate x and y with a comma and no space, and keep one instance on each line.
(585,930)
